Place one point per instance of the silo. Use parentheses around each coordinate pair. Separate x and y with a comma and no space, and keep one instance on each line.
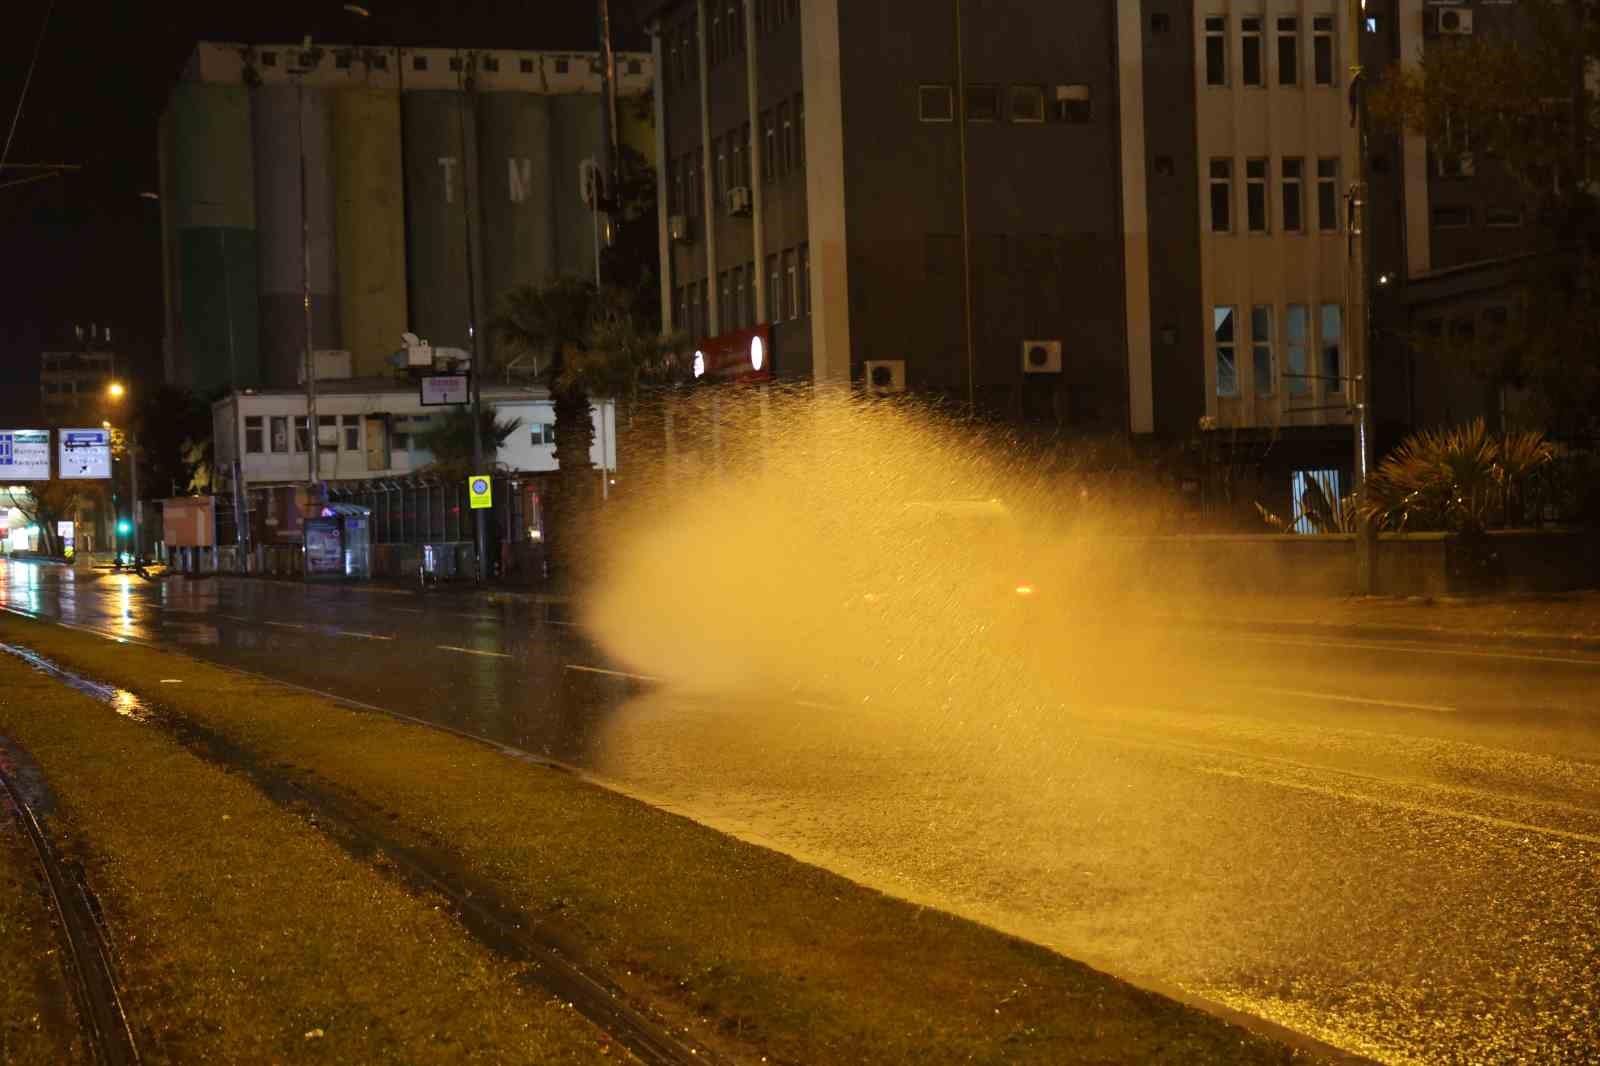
(371,234)
(517,200)
(436,126)
(289,121)
(209,238)
(574,136)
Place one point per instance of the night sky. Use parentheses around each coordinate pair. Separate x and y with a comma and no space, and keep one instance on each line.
(87,247)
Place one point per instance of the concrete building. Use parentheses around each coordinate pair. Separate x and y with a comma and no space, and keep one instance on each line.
(1098,215)
(411,157)
(75,379)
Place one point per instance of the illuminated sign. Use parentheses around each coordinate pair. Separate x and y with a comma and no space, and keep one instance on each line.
(743,355)
(480,487)
(84,454)
(24,455)
(444,390)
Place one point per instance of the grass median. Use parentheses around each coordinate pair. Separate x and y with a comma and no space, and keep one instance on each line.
(36,1010)
(773,956)
(242,933)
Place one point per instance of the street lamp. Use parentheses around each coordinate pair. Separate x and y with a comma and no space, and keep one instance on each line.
(115,392)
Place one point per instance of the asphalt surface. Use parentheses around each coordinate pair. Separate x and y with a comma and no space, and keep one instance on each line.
(1392,846)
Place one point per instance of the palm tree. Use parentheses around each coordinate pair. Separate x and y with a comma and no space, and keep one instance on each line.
(589,344)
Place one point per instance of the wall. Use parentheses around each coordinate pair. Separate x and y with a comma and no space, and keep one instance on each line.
(370,232)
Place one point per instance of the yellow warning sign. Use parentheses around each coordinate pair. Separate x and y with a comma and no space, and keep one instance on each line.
(480,487)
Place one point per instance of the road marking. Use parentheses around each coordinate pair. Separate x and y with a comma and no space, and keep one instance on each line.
(236,618)
(363,636)
(474,651)
(407,610)
(1420,649)
(1355,699)
(611,673)
(286,625)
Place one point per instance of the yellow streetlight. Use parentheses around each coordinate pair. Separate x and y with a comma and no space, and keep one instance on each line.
(115,390)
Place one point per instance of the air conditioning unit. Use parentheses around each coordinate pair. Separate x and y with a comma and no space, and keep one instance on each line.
(1448,22)
(678,229)
(1041,357)
(739,200)
(883,377)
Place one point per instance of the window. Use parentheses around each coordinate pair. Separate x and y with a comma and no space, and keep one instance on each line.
(695,190)
(1221,195)
(1255,194)
(1217,50)
(1332,337)
(1328,195)
(769,146)
(1293,195)
(714,41)
(805,279)
(562,66)
(400,436)
(254,437)
(1298,328)
(280,433)
(635,66)
(1250,51)
(1452,217)
(378,62)
(328,431)
(1502,217)
(691,318)
(774,294)
(1027,103)
(744,167)
(1322,49)
(983,103)
(935,103)
(541,434)
(341,61)
(419,62)
(269,59)
(736,299)
(1165,167)
(1160,23)
(1074,104)
(1289,51)
(726,309)
(1227,369)
(791,285)
(491,64)
(735,159)
(719,185)
(456,65)
(526,65)
(799,130)
(352,433)
(1261,364)
(680,301)
(302,433)
(785,139)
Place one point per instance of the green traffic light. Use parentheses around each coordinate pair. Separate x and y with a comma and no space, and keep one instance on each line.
(124,526)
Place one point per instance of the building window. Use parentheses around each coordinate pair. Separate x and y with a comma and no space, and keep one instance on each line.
(352,433)
(1255,194)
(302,433)
(328,431)
(691,318)
(526,65)
(341,61)
(714,43)
(983,103)
(419,62)
(935,103)
(1293,195)
(1298,328)
(805,279)
(1165,167)
(774,292)
(491,64)
(697,190)
(280,433)
(725,312)
(1250,51)
(791,285)
(378,61)
(541,434)
(1502,217)
(254,434)
(1160,23)
(799,131)
(400,438)
(1261,363)
(1332,337)
(1074,104)
(635,66)
(269,59)
(456,66)
(719,184)
(769,147)
(736,159)
(1452,217)
(785,139)
(736,298)
(1322,49)
(1216,50)
(1328,195)
(681,309)
(1222,327)
(744,169)
(562,66)
(1221,195)
(1027,103)
(1289,51)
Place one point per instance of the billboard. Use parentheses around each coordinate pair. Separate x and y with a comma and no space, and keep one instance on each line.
(84,453)
(24,455)
(444,390)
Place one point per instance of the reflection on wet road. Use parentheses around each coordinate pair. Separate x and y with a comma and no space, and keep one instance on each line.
(1393,847)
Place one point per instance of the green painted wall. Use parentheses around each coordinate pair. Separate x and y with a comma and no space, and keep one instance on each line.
(435,221)
(370,226)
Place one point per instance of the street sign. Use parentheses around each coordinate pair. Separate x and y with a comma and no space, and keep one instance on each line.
(480,487)
(444,390)
(24,455)
(84,454)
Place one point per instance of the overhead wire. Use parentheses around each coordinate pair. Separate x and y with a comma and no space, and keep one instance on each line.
(16,116)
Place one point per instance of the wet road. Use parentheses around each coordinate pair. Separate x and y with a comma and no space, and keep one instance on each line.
(1394,847)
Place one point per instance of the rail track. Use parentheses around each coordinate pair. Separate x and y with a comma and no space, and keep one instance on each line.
(103,1023)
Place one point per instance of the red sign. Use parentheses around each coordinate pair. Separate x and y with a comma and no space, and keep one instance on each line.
(743,355)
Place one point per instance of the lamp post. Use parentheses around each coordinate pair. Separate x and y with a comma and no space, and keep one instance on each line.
(115,393)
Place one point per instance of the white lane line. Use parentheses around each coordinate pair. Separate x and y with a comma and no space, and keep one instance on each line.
(363,636)
(611,673)
(407,610)
(1300,694)
(474,651)
(236,618)
(1419,649)
(286,625)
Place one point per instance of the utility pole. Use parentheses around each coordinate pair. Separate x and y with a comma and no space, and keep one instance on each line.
(1358,331)
(469,169)
(314,460)
(966,220)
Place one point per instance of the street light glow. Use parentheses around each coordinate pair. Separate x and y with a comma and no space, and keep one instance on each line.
(115,390)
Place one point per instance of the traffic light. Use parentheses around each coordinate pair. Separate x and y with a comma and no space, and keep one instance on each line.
(124,526)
